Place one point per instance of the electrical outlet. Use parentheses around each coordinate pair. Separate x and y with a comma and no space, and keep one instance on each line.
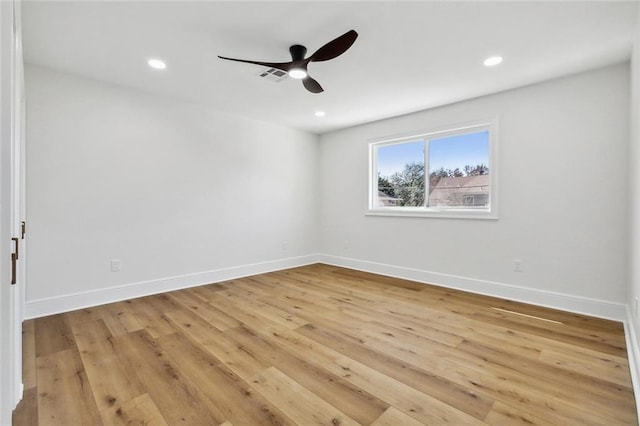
(517,265)
(116,265)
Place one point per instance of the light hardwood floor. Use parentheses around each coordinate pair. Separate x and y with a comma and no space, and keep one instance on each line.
(321,345)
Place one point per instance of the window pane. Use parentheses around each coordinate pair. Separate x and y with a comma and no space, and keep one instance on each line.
(401,175)
(459,171)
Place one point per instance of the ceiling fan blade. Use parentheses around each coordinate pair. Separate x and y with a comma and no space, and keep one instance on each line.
(335,47)
(312,85)
(284,66)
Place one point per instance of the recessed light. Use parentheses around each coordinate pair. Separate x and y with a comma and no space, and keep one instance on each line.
(492,61)
(297,73)
(320,113)
(157,64)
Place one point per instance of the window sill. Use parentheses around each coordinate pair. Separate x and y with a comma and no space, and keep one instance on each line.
(434,213)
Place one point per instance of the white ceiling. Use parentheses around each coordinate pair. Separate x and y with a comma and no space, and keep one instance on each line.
(409,55)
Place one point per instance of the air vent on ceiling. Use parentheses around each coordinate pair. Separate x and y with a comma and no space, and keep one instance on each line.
(273,74)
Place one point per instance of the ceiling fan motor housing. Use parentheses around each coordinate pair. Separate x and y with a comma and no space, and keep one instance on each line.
(297,52)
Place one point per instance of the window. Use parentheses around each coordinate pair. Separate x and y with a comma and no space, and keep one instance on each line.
(448,173)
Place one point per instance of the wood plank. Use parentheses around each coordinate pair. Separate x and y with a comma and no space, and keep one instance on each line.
(224,348)
(254,287)
(53,334)
(62,383)
(83,315)
(29,354)
(119,319)
(351,400)
(161,303)
(245,314)
(595,364)
(301,405)
(110,382)
(603,342)
(493,380)
(152,317)
(213,316)
(178,400)
(517,393)
(417,326)
(427,292)
(255,310)
(274,314)
(140,410)
(456,366)
(231,395)
(497,311)
(204,291)
(395,417)
(505,415)
(412,402)
(463,398)
(575,388)
(88,332)
(302,347)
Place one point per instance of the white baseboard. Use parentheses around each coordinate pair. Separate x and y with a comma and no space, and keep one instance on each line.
(18,396)
(69,302)
(633,354)
(565,302)
(64,303)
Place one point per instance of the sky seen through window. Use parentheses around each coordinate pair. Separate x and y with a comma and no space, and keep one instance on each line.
(448,152)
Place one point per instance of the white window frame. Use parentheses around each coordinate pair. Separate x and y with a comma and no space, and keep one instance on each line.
(491,212)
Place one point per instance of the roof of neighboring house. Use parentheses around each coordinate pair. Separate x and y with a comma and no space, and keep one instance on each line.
(480,183)
(450,190)
(382,195)
(386,199)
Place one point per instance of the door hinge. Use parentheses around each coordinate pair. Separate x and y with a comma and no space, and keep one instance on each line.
(17,251)
(23,229)
(14,260)
(13,268)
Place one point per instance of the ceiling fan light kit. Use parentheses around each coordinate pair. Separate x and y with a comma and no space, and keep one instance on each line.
(297,67)
(297,73)
(492,61)
(157,64)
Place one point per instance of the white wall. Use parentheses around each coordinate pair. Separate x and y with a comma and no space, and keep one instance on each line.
(563,188)
(184,195)
(172,189)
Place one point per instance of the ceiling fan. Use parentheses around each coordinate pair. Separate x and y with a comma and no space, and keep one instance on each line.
(297,68)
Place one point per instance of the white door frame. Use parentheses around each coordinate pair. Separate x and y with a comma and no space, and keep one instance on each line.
(18,202)
(11,208)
